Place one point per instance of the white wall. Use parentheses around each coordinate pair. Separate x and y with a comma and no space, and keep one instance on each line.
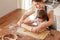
(57,13)
(58,22)
(57,10)
(19,3)
(7,6)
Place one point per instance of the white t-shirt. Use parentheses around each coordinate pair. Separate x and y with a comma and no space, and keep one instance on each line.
(36,22)
(33,16)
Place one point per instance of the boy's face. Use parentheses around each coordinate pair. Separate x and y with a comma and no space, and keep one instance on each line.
(40,20)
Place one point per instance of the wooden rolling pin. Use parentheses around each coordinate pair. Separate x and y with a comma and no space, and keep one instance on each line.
(26,27)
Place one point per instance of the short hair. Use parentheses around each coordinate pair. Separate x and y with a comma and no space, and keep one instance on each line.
(37,0)
(42,14)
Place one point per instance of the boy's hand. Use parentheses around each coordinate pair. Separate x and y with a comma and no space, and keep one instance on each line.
(36,30)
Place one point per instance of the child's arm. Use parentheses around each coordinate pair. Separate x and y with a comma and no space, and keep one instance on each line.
(28,22)
(37,28)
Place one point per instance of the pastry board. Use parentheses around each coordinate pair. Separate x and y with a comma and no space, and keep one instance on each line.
(41,35)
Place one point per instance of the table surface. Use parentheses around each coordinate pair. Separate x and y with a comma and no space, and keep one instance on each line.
(55,35)
(14,16)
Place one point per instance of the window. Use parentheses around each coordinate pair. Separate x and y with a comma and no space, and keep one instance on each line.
(26,4)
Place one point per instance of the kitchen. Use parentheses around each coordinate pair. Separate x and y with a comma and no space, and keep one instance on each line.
(9,17)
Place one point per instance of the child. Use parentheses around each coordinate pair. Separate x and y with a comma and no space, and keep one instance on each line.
(40,18)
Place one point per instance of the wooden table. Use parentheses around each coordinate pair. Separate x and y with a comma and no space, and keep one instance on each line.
(14,16)
(11,18)
(55,35)
(4,32)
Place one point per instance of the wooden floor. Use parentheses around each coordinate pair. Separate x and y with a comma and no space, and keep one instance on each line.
(14,16)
